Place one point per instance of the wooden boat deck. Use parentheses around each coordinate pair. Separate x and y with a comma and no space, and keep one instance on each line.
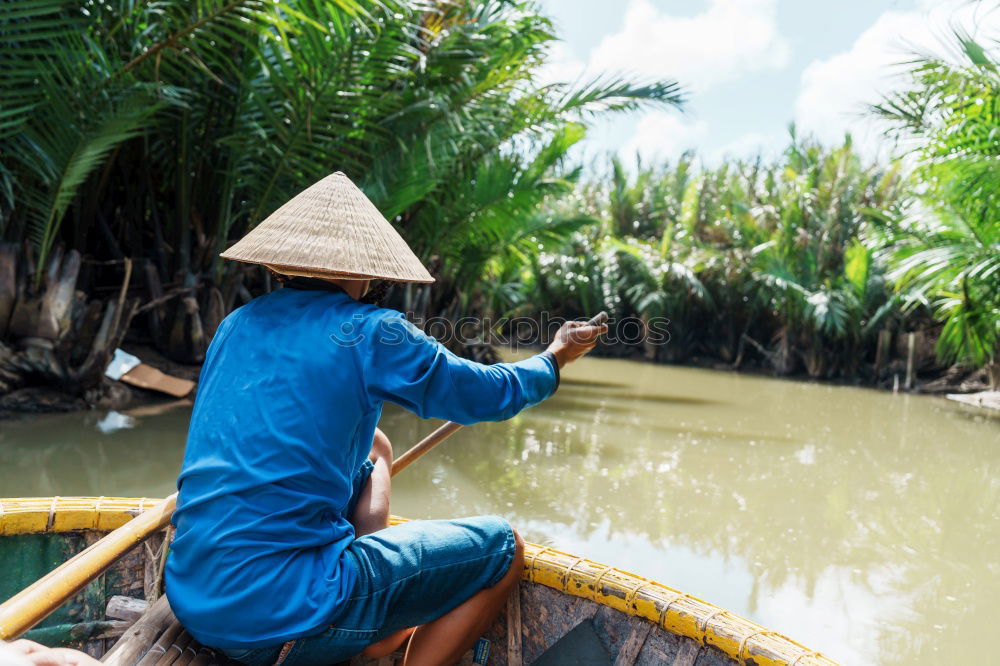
(158,639)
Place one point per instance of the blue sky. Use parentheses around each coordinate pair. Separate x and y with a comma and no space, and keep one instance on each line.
(752,66)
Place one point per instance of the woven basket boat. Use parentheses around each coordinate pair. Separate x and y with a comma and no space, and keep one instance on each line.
(74,555)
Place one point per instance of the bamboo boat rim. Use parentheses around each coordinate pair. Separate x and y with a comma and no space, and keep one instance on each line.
(671,609)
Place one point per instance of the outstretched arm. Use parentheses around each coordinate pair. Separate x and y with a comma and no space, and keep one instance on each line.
(407,367)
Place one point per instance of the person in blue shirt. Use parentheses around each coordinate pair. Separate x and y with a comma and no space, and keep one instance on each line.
(282,551)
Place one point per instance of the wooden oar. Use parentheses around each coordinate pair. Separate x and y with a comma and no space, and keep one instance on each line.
(449,428)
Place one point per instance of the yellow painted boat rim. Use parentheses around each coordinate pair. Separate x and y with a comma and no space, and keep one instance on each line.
(674,611)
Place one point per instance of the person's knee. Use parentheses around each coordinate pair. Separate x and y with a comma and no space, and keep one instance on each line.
(381,448)
(518,545)
(516,562)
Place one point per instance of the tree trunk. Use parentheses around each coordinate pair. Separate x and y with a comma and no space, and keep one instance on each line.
(59,343)
(783,361)
(993,375)
(882,351)
(8,284)
(815,361)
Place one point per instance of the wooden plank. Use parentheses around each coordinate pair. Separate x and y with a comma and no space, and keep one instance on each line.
(137,640)
(176,649)
(155,655)
(116,630)
(629,652)
(204,658)
(986,399)
(126,608)
(190,652)
(514,656)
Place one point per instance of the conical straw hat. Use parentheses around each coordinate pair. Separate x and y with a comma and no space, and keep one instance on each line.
(330,230)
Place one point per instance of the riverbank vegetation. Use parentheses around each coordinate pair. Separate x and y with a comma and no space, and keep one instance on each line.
(137,141)
(815,263)
(774,261)
(946,255)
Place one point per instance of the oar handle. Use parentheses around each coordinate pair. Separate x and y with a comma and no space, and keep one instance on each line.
(598,319)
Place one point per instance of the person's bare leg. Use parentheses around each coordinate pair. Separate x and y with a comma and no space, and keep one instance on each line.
(389,644)
(446,639)
(371,513)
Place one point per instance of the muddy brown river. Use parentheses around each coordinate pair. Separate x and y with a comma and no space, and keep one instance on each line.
(862,524)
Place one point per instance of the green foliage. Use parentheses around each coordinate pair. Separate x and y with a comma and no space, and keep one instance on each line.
(816,254)
(783,253)
(946,253)
(166,130)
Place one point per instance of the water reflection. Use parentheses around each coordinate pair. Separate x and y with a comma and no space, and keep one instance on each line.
(135,453)
(862,524)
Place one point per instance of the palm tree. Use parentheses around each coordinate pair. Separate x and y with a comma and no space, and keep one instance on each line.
(946,254)
(160,132)
(780,256)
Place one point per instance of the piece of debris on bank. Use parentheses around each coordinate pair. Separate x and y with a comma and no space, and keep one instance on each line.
(127,368)
(985,399)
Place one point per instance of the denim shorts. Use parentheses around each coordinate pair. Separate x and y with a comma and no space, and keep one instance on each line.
(408,575)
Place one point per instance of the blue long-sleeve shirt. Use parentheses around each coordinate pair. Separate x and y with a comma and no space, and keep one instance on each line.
(290,393)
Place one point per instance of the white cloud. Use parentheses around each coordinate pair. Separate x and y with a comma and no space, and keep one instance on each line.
(726,40)
(561,66)
(843,614)
(663,135)
(729,38)
(835,91)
